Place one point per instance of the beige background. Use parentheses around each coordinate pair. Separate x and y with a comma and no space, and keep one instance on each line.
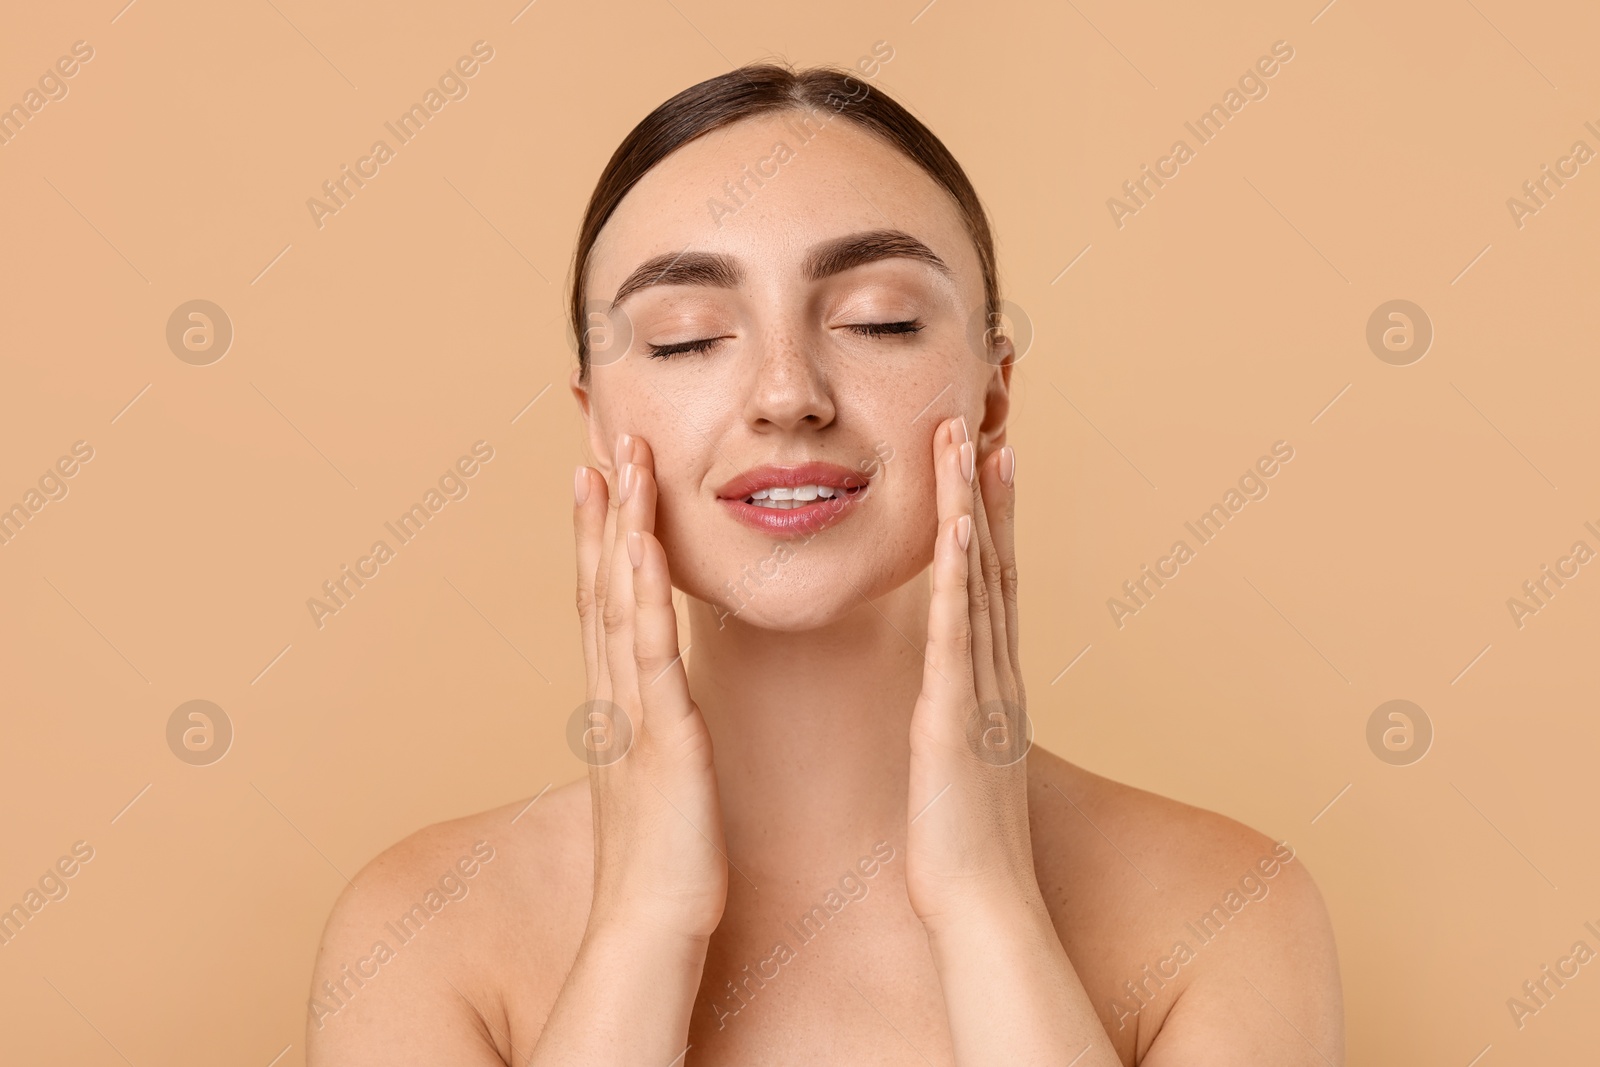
(426,315)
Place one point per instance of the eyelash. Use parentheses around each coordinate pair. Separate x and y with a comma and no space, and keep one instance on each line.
(865,329)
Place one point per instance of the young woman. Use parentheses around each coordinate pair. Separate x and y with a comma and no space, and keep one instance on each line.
(823,835)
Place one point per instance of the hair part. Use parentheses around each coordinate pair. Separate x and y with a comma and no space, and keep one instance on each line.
(760,89)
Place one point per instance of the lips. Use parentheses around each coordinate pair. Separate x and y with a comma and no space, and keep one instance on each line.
(834,493)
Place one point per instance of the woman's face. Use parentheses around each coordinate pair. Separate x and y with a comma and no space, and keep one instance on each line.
(808,313)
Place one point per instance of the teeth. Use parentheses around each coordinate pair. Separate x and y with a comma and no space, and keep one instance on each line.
(784,498)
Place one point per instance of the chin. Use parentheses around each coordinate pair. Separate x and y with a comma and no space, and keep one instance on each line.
(783,614)
(794,588)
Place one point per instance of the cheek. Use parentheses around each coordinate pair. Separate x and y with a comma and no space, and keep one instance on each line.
(677,504)
(906,519)
(684,505)
(624,405)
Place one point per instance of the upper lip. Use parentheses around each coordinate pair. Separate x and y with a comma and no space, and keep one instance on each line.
(765,477)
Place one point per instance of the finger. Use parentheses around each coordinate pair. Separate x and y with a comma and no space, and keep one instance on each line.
(636,513)
(634,491)
(645,457)
(621,452)
(947,672)
(1000,505)
(664,684)
(959,471)
(589,513)
(993,617)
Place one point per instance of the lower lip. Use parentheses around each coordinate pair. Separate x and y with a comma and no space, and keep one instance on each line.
(813,518)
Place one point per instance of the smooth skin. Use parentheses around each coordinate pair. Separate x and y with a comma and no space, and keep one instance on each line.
(866,694)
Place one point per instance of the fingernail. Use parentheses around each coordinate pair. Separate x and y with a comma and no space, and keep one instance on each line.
(964,531)
(961,427)
(580,485)
(624,449)
(968,460)
(630,474)
(635,547)
(1008,465)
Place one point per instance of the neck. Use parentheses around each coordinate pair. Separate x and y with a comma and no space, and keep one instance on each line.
(811,728)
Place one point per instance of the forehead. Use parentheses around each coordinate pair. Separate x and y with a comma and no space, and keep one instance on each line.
(760,191)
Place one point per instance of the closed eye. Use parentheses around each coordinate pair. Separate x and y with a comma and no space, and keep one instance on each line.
(880,329)
(864,329)
(681,348)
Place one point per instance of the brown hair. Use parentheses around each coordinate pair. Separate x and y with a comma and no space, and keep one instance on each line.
(755,90)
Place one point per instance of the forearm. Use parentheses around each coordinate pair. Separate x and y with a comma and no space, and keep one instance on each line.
(1011,994)
(626,1001)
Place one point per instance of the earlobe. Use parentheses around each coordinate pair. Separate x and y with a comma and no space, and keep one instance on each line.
(580,391)
(996,408)
(600,450)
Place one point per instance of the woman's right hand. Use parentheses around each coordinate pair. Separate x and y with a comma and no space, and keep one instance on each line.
(659,852)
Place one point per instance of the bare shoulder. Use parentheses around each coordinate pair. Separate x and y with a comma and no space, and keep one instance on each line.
(433,938)
(1199,939)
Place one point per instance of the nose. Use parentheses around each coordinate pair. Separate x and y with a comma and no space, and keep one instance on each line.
(790,390)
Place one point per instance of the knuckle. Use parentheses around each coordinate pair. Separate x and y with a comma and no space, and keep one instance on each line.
(585,602)
(651,664)
(646,649)
(960,642)
(1008,573)
(613,617)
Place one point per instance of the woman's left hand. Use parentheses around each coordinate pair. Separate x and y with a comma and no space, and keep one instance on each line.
(968,846)
(1011,993)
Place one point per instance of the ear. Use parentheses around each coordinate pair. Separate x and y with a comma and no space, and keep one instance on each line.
(997,398)
(599,448)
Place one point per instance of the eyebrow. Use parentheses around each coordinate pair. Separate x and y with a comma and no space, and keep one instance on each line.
(722,271)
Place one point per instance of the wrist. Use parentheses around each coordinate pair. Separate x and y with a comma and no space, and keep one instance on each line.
(1004,915)
(643,938)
